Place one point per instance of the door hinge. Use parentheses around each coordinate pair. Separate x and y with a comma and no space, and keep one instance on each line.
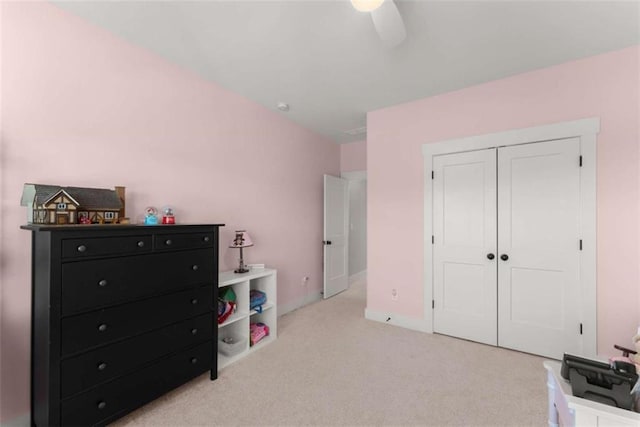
(580,328)
(580,161)
(580,244)
(433,174)
(433,303)
(433,240)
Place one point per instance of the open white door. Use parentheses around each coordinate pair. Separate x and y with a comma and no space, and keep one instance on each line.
(335,239)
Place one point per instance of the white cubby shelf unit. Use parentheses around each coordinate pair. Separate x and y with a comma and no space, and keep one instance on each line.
(236,326)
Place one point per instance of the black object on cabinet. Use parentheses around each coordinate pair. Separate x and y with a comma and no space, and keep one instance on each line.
(121,314)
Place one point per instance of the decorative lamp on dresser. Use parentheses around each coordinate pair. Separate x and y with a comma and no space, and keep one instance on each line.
(121,314)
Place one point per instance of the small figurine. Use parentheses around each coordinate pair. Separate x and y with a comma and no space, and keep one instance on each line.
(83,218)
(150,216)
(168,217)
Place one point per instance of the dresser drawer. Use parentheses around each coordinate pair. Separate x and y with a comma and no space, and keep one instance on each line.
(183,241)
(101,327)
(97,283)
(98,246)
(94,367)
(115,398)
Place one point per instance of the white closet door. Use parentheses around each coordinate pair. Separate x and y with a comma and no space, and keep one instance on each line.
(464,215)
(538,241)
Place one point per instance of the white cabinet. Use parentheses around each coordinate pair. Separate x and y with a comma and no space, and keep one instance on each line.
(235,329)
(567,410)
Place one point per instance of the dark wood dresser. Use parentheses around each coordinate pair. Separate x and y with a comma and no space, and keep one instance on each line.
(121,314)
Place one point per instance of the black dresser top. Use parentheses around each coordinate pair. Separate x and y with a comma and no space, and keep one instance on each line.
(121,227)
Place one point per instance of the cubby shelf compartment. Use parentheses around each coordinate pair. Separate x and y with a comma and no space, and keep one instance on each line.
(237,325)
(264,341)
(238,315)
(265,307)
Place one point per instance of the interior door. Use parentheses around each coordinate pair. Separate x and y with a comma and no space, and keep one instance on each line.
(464,252)
(538,240)
(336,242)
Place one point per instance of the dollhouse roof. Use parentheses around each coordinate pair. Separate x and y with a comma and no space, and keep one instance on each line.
(87,198)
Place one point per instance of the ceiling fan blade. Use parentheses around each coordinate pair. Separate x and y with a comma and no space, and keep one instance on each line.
(389,24)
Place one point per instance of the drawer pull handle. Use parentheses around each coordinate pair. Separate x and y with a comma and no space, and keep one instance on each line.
(141,244)
(194,331)
(103,283)
(194,360)
(102,366)
(194,267)
(206,238)
(102,405)
(102,327)
(194,301)
(82,248)
(168,242)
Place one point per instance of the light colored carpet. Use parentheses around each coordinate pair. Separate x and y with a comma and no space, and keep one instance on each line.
(330,366)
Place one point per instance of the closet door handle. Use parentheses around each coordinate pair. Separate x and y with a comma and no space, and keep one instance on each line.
(504,257)
(491,256)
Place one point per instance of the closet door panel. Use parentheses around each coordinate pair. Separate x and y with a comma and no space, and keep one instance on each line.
(464,195)
(538,230)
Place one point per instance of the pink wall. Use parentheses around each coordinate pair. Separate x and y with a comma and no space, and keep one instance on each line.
(353,156)
(605,86)
(82,107)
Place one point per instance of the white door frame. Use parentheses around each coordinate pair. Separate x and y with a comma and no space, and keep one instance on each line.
(353,177)
(586,130)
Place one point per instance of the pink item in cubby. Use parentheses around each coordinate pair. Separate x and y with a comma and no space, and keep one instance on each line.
(257,331)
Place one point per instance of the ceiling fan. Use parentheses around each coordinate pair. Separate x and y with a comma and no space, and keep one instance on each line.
(386,19)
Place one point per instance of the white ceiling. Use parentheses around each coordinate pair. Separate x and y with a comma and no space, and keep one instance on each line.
(326,60)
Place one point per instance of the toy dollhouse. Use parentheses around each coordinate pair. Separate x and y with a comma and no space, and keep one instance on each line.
(53,204)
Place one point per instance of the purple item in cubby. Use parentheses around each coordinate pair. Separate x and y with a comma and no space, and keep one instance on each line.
(256,299)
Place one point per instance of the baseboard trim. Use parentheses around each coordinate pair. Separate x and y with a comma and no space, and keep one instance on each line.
(299,303)
(358,277)
(419,325)
(23,420)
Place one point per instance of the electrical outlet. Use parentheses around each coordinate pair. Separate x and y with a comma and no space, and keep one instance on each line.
(394,294)
(305,280)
